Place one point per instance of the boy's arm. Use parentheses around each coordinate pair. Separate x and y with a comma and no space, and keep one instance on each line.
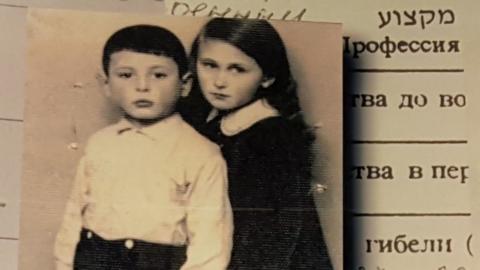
(62,266)
(209,219)
(69,233)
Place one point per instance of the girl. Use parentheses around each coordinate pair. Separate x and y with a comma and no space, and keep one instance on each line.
(244,99)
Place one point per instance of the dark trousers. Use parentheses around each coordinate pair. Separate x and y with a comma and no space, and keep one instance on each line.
(96,253)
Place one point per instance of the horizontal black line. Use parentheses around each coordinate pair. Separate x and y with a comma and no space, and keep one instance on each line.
(8,238)
(11,119)
(409,141)
(409,70)
(259,209)
(12,5)
(411,214)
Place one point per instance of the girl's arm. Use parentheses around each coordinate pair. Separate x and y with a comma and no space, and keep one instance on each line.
(290,189)
(277,159)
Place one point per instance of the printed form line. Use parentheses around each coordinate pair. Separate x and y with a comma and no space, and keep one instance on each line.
(12,5)
(408,70)
(409,141)
(411,214)
(8,238)
(10,119)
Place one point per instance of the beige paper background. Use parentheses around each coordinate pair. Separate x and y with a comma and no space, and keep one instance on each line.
(64,105)
(12,75)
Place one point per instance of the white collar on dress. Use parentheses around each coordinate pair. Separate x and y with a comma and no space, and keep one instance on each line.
(245,117)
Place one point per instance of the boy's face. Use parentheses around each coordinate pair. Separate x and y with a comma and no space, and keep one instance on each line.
(145,86)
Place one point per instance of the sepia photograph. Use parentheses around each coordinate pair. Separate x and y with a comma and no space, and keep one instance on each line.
(157,142)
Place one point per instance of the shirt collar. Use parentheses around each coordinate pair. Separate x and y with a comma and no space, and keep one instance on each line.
(155,131)
(243,118)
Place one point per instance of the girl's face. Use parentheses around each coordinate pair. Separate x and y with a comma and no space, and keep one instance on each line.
(227,76)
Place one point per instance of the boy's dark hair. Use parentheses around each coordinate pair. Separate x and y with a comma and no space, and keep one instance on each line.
(146,39)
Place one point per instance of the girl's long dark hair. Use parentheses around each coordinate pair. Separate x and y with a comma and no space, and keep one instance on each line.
(259,40)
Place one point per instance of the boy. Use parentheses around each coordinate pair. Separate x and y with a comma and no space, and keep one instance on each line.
(150,192)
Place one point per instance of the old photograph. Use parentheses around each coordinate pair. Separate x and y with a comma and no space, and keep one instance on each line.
(156,142)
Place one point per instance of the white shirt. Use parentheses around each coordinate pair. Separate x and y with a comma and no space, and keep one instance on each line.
(163,183)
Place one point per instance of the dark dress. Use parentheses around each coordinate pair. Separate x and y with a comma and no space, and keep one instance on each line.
(275,220)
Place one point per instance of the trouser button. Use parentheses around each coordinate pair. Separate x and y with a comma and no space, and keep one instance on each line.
(129,243)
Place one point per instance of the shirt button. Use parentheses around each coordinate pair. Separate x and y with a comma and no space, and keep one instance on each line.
(89,235)
(129,243)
